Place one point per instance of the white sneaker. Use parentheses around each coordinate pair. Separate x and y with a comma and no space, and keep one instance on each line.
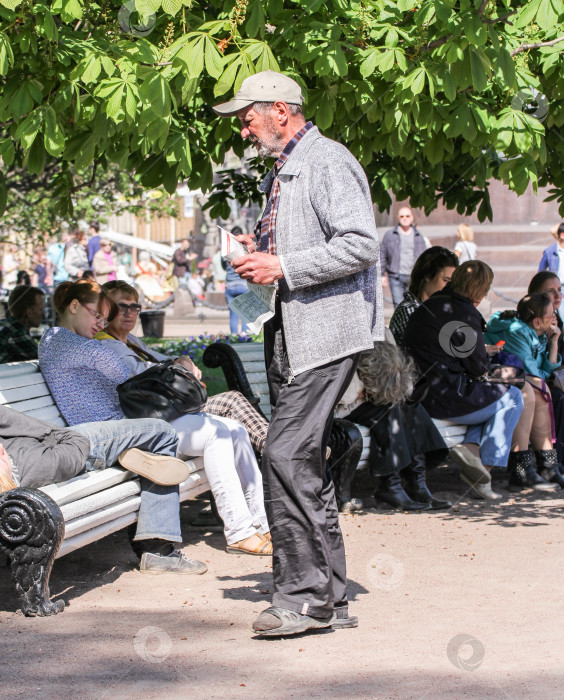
(482,491)
(163,470)
(470,465)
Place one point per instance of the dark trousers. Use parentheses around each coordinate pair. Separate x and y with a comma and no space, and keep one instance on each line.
(309,555)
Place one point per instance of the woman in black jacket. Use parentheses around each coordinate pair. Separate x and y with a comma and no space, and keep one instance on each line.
(445,337)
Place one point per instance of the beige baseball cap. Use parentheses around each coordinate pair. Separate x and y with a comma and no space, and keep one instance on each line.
(267,86)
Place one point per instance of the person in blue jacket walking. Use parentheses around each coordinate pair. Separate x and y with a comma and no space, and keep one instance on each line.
(553,256)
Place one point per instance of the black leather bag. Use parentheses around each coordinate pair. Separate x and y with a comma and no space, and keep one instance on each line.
(164,391)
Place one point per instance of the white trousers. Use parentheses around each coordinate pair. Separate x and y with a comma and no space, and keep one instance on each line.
(231,468)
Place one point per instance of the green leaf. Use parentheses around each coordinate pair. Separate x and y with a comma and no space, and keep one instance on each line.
(35,158)
(6,54)
(10,4)
(171,7)
(113,106)
(505,62)
(22,101)
(108,65)
(71,9)
(156,91)
(192,57)
(147,8)
(479,76)
(49,27)
(54,138)
(527,13)
(255,18)
(8,151)
(266,60)
(92,70)
(29,128)
(416,80)
(434,149)
(131,102)
(214,60)
(368,66)
(547,17)
(227,77)
(448,86)
(324,114)
(336,59)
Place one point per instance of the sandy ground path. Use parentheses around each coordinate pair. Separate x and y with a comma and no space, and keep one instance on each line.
(463,604)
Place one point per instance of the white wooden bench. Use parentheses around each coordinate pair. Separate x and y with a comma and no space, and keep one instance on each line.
(244,369)
(38,526)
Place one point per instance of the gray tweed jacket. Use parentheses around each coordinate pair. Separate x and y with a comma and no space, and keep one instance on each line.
(327,242)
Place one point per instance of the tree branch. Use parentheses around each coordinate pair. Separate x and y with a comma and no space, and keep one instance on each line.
(490,20)
(88,183)
(482,7)
(526,47)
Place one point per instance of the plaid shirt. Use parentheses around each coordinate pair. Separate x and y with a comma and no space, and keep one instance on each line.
(15,342)
(265,230)
(398,322)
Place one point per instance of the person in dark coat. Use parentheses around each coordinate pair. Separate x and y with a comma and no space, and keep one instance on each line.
(445,337)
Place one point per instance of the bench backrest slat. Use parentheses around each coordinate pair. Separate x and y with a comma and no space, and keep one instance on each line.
(23,388)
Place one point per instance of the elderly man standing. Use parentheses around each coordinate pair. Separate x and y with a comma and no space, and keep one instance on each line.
(317,241)
(401,246)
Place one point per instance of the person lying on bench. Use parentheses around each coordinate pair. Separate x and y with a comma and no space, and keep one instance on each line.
(36,454)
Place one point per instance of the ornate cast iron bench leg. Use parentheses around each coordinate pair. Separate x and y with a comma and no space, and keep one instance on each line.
(31,531)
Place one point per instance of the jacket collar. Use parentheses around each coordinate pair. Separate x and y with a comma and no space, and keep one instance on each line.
(415,230)
(295,160)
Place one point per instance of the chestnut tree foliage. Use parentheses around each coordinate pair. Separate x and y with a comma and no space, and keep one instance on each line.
(435,97)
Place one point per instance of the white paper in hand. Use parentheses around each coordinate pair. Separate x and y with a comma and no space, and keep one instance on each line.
(230,246)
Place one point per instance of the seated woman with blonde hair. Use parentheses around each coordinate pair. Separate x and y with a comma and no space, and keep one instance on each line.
(403,438)
(118,338)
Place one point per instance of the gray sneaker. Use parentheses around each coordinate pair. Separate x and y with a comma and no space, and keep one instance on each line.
(173,563)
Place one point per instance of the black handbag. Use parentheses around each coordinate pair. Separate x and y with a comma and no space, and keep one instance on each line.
(165,391)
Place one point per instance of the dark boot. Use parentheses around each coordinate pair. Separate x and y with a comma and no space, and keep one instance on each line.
(522,473)
(416,486)
(391,492)
(548,467)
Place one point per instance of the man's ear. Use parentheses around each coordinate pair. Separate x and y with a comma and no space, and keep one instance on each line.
(536,323)
(282,113)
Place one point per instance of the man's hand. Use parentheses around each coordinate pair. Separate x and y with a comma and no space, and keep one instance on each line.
(190,366)
(259,268)
(384,281)
(249,241)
